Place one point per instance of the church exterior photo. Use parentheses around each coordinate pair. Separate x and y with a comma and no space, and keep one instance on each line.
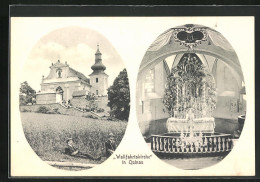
(64,83)
(70,116)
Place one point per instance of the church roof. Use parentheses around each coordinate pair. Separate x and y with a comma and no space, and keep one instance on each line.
(80,75)
(71,72)
(98,66)
(98,51)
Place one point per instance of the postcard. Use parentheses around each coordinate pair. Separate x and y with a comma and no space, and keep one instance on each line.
(132,96)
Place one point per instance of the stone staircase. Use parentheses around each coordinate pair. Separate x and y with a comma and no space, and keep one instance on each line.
(63,105)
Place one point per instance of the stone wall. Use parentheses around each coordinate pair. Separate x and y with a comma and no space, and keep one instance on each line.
(79,102)
(67,87)
(82,102)
(48,98)
(102,103)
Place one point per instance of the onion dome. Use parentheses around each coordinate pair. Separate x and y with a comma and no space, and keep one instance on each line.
(98,66)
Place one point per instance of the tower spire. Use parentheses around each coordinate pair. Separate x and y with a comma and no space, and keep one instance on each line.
(98,66)
(98,55)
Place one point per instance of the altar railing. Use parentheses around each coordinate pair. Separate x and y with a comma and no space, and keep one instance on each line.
(174,144)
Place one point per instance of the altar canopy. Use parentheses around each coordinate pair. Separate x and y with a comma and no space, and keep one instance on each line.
(191,38)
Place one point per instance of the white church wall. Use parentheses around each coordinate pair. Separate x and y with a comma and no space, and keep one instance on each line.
(150,106)
(47,98)
(228,92)
(100,86)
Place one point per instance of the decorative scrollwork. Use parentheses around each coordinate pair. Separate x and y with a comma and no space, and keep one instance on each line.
(190,36)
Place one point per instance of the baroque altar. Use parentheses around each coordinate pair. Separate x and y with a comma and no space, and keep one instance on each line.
(190,98)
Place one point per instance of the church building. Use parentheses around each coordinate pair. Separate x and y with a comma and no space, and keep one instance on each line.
(63,82)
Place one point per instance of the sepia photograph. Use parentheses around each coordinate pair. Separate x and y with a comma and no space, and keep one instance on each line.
(191,96)
(151,96)
(74,100)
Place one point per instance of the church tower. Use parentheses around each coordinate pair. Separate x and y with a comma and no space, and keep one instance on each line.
(98,78)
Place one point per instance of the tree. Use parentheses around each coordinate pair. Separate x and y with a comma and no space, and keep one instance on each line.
(27,94)
(91,98)
(119,96)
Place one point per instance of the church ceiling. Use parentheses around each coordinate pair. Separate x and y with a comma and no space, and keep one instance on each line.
(191,39)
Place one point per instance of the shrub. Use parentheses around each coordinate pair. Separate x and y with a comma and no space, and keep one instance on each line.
(42,109)
(93,109)
(100,110)
(87,109)
(55,110)
(91,98)
(50,112)
(111,119)
(90,116)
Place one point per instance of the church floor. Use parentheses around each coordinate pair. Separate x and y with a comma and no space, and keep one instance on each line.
(192,163)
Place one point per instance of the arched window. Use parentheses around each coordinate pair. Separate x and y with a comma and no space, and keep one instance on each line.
(96,80)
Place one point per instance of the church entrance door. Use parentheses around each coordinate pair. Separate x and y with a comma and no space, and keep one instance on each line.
(59,95)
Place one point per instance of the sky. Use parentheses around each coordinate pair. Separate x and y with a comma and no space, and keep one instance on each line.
(74,44)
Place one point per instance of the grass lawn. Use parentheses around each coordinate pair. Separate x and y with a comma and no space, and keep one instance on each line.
(47,133)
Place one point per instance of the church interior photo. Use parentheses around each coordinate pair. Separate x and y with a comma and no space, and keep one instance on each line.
(191,93)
